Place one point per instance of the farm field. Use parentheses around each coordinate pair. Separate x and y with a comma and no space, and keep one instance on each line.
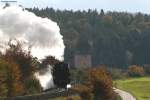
(138,87)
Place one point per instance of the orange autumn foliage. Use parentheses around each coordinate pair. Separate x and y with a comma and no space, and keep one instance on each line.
(85,91)
(102,84)
(97,87)
(135,71)
(10,76)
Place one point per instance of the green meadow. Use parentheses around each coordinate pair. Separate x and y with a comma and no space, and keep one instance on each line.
(138,87)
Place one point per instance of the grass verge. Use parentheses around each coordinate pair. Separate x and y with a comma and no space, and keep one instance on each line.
(139,87)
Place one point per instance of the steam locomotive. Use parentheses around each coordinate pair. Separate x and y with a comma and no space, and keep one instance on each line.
(61,76)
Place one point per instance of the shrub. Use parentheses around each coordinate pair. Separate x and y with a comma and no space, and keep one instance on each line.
(98,86)
(85,91)
(101,83)
(33,86)
(79,75)
(135,71)
(116,73)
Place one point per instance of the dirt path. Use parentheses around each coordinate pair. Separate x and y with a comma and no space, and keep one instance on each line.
(124,95)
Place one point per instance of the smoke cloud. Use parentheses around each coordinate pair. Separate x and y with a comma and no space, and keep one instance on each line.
(46,80)
(42,33)
(36,31)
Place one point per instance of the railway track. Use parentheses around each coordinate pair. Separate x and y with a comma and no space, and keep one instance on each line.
(43,96)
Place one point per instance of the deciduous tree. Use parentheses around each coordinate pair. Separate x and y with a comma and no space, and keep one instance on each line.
(10,79)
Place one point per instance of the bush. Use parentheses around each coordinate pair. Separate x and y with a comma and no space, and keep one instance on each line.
(85,91)
(116,73)
(79,76)
(102,84)
(97,86)
(135,71)
(33,86)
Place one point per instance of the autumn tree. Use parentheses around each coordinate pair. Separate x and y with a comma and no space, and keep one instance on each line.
(10,76)
(27,65)
(102,84)
(135,71)
(22,58)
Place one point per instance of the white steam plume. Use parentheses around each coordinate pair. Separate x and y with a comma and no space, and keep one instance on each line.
(42,33)
(46,80)
(36,31)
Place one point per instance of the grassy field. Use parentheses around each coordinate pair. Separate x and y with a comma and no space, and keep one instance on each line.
(139,87)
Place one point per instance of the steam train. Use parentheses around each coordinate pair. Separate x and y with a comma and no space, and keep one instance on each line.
(61,76)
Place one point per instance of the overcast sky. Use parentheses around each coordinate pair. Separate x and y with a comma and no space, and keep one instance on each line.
(113,5)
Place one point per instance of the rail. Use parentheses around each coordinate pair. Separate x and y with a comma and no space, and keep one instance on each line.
(43,96)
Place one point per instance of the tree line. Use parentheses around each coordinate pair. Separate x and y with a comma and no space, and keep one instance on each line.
(112,38)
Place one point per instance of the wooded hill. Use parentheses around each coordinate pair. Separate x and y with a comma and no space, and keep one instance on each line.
(112,38)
